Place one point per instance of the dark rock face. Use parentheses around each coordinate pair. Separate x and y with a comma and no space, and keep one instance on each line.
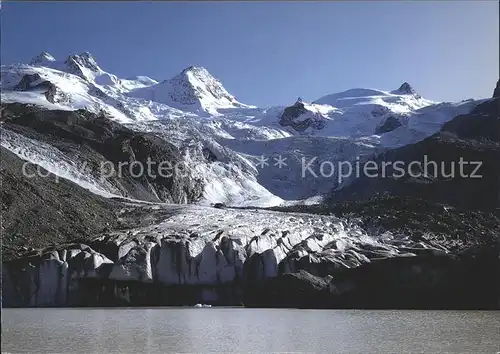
(86,137)
(496,93)
(468,276)
(467,281)
(292,113)
(76,63)
(388,125)
(51,94)
(481,125)
(406,88)
(35,82)
(27,81)
(42,58)
(209,155)
(300,290)
(380,111)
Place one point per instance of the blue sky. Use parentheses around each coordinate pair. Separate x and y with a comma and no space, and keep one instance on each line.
(268,53)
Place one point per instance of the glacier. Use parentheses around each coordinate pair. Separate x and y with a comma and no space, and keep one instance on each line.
(203,247)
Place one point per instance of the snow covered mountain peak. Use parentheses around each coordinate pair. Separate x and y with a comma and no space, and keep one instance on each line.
(81,63)
(405,89)
(405,98)
(302,116)
(496,92)
(201,84)
(194,89)
(42,59)
(196,70)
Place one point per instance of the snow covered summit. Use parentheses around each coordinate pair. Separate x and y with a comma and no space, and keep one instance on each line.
(194,90)
(405,89)
(83,65)
(404,96)
(42,58)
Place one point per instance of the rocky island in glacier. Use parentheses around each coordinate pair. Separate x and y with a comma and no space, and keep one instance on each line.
(227,229)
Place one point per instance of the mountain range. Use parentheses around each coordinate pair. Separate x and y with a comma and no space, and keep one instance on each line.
(196,113)
(205,232)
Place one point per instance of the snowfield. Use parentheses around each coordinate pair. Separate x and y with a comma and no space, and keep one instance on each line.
(282,239)
(194,109)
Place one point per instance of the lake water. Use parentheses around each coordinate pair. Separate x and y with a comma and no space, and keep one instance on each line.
(240,330)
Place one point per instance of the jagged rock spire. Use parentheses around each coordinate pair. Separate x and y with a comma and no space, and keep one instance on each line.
(85,60)
(41,58)
(406,88)
(496,93)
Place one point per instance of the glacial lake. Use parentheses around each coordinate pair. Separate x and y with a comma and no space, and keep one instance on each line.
(240,330)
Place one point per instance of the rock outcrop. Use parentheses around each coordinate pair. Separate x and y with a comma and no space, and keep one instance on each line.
(406,89)
(83,65)
(300,118)
(469,281)
(388,124)
(35,82)
(42,59)
(496,92)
